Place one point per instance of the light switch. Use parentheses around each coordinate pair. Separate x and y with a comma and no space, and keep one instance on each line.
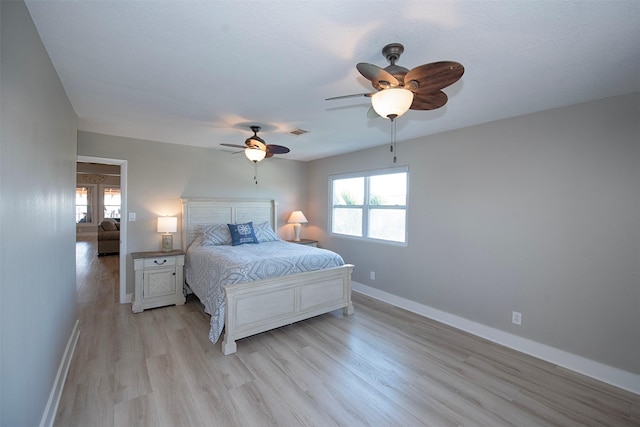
(132,216)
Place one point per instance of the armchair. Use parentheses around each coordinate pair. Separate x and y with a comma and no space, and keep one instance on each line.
(108,237)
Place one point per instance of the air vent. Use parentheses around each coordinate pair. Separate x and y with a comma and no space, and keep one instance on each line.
(297,132)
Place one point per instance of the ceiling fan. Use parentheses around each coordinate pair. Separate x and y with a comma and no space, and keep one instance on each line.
(256,148)
(422,85)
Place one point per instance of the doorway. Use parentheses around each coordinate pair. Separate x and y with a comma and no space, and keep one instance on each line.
(123,296)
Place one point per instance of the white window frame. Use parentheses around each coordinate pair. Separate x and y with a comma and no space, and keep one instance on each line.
(101,199)
(92,204)
(366,207)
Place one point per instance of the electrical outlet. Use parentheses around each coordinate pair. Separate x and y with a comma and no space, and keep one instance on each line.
(372,275)
(516,318)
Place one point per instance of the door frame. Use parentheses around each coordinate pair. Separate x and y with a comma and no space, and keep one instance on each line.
(124,297)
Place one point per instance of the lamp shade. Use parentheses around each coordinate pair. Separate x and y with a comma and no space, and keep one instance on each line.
(393,102)
(297,217)
(167,224)
(254,154)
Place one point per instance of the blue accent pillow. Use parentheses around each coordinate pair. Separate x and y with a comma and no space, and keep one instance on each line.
(242,233)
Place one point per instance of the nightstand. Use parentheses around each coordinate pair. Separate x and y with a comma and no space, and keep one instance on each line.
(307,242)
(159,279)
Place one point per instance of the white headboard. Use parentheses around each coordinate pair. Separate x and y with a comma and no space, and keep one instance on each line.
(198,212)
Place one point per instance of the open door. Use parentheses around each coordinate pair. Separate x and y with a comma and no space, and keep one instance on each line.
(96,208)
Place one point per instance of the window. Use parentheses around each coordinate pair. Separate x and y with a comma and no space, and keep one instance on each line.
(111,202)
(93,199)
(371,205)
(84,205)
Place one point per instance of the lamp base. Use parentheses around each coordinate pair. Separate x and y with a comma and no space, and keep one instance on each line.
(296,230)
(167,243)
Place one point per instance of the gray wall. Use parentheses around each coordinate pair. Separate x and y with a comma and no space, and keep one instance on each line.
(37,234)
(538,214)
(159,174)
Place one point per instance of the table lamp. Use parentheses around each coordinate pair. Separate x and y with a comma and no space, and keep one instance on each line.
(167,225)
(296,218)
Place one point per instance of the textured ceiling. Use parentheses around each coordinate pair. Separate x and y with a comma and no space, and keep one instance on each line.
(199,73)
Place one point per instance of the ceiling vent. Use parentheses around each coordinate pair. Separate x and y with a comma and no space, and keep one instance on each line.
(297,132)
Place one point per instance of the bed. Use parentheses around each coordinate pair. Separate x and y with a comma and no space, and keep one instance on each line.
(248,294)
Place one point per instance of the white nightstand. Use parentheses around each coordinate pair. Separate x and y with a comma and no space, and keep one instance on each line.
(159,279)
(307,242)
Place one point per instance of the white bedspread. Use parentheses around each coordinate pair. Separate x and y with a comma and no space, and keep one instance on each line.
(209,268)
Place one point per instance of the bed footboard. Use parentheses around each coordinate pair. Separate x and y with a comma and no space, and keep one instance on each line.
(255,307)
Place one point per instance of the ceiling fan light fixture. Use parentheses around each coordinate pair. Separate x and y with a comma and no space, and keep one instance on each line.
(255,154)
(392,102)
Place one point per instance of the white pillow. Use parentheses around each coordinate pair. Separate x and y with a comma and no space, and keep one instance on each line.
(264,233)
(216,235)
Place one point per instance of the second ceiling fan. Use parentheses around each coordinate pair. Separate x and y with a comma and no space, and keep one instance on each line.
(422,85)
(256,148)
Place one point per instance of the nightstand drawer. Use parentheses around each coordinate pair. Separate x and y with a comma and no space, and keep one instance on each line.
(160,262)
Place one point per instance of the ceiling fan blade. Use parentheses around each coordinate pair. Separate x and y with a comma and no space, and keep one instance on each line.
(355,95)
(276,149)
(371,113)
(254,143)
(377,75)
(254,140)
(234,146)
(429,101)
(429,78)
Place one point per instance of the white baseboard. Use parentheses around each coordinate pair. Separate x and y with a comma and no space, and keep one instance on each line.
(608,374)
(49,415)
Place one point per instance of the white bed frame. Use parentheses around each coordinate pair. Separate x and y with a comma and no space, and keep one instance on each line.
(259,306)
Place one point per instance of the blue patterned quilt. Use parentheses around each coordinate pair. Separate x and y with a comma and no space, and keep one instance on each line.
(209,268)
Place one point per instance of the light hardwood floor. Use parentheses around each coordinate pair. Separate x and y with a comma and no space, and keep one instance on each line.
(382,366)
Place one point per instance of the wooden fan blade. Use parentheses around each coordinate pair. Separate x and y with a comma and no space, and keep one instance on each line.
(429,101)
(253,143)
(234,146)
(377,75)
(432,77)
(355,95)
(276,149)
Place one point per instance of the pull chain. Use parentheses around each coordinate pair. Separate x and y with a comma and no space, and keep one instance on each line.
(393,147)
(255,172)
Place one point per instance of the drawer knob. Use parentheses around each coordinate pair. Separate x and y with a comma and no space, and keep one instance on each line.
(159,263)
